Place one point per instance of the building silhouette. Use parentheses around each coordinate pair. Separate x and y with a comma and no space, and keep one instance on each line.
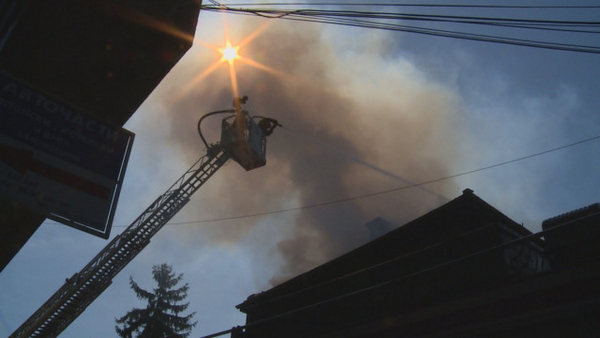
(461,270)
(100,58)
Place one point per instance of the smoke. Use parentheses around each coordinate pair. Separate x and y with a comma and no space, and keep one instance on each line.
(384,125)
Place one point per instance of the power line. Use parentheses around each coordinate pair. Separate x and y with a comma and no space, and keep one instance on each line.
(456,35)
(383,4)
(384,21)
(277,13)
(414,185)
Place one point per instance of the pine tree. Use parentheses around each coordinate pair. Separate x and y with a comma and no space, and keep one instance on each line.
(161,317)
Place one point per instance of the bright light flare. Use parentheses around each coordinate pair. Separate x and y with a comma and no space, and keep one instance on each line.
(229,53)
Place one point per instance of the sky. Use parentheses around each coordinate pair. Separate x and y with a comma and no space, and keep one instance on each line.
(363,112)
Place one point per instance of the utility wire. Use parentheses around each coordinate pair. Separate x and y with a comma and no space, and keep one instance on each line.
(385,21)
(275,13)
(456,35)
(383,4)
(352,198)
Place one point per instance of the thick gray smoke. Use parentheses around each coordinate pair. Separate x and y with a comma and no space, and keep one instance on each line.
(345,115)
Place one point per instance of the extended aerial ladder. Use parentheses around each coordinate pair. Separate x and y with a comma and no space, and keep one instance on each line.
(242,139)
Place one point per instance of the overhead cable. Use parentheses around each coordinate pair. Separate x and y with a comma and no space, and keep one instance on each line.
(389,21)
(391,4)
(382,192)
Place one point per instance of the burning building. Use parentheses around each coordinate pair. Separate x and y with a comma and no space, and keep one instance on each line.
(461,270)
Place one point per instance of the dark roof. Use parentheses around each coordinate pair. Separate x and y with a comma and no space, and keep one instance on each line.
(571,215)
(463,214)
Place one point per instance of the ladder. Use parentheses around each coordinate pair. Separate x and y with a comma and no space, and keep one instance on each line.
(84,287)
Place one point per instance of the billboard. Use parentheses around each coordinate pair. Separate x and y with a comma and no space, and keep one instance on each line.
(60,161)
